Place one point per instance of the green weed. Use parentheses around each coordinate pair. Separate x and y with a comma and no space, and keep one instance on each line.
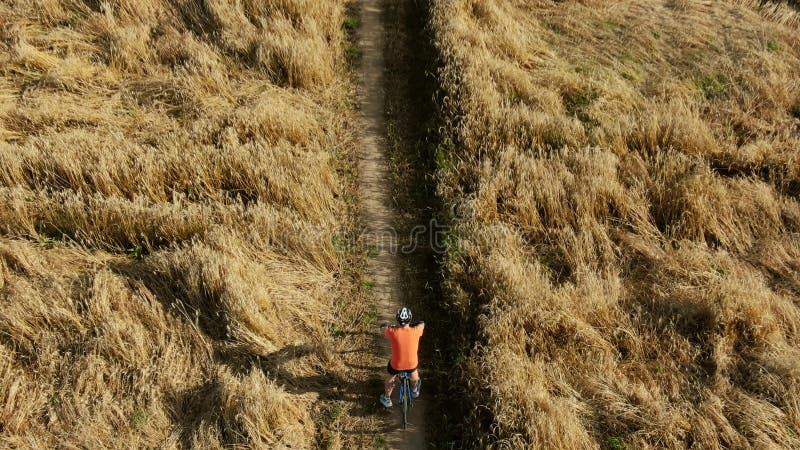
(354,54)
(135,252)
(54,399)
(444,160)
(712,86)
(380,443)
(372,251)
(350,24)
(139,419)
(340,243)
(774,46)
(614,443)
(370,316)
(47,241)
(333,412)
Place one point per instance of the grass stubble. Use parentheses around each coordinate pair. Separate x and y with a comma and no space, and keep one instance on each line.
(626,258)
(176,192)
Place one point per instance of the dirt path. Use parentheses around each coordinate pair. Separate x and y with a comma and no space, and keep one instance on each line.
(375,196)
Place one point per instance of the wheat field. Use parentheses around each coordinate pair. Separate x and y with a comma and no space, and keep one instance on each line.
(626,254)
(171,186)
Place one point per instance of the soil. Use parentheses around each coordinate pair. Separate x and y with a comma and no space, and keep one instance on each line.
(378,216)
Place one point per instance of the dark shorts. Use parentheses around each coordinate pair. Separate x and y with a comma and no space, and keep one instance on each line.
(393,371)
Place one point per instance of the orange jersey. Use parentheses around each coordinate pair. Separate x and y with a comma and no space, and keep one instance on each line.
(405,343)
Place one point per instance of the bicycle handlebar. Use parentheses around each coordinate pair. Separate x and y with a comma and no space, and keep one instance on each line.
(413,324)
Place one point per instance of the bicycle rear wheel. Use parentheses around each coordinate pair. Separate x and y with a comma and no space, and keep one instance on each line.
(407,393)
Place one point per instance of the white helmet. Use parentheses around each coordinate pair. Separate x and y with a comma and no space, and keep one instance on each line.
(403,316)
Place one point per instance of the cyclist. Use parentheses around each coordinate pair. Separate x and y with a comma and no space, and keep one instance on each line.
(404,338)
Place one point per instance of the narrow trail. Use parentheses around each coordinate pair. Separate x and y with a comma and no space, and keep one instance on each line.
(377,213)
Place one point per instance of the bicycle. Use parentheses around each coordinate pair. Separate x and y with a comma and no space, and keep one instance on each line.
(404,396)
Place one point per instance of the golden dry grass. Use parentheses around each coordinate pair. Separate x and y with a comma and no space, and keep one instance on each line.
(631,252)
(169,195)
